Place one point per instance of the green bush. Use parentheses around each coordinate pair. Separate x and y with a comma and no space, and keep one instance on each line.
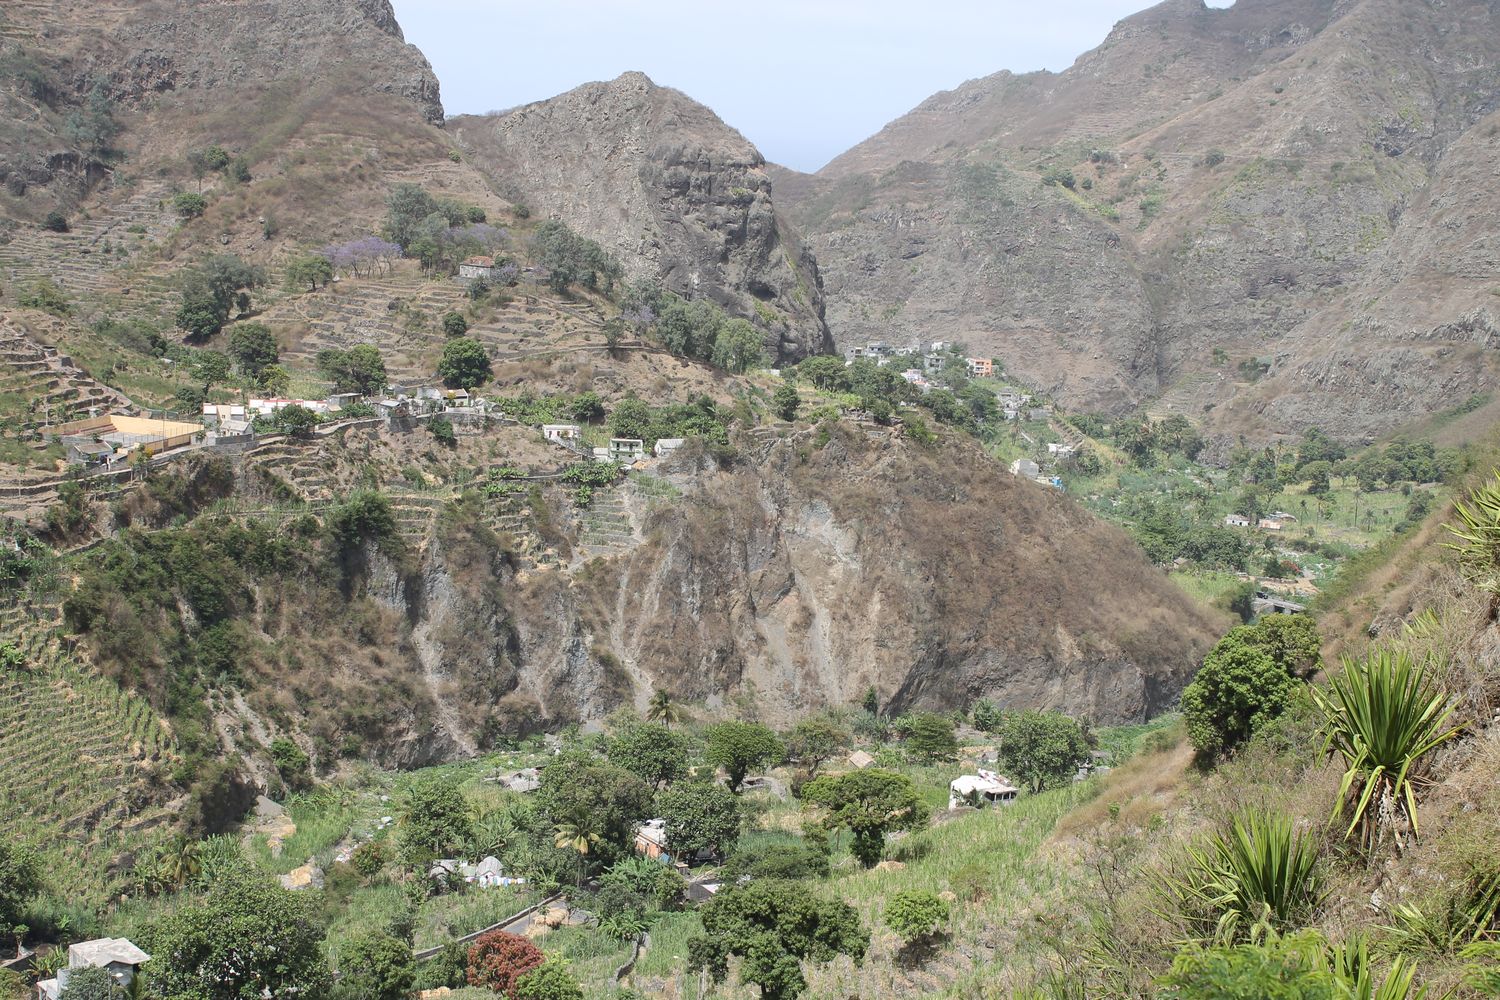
(188,205)
(55,222)
(915,914)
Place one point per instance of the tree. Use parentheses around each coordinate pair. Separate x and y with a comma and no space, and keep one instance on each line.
(631,418)
(814,740)
(1292,641)
(20,879)
(663,709)
(738,347)
(700,816)
(915,914)
(587,407)
(360,369)
(405,209)
(1041,748)
(454,324)
(212,289)
(549,981)
(578,787)
(1239,688)
(274,380)
(739,746)
(653,752)
(774,926)
(378,966)
(498,961)
(254,348)
(1316,475)
(91,983)
(55,222)
(248,937)
(296,420)
(785,401)
(464,364)
(436,821)
(930,737)
(311,270)
(869,804)
(211,368)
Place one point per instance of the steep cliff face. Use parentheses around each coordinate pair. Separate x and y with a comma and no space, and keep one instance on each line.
(822,565)
(679,196)
(1290,181)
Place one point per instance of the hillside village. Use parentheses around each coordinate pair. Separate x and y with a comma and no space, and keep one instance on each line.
(1052,552)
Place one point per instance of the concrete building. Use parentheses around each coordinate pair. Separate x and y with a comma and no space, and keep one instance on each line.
(477,267)
(981,791)
(980,367)
(1025,468)
(666,446)
(626,449)
(118,956)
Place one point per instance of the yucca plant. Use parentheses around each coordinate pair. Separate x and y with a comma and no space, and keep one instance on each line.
(1383,717)
(1263,873)
(1355,974)
(1478,536)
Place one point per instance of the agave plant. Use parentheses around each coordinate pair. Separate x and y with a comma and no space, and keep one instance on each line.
(1383,717)
(1263,873)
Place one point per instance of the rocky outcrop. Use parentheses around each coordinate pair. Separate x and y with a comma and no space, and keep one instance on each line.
(675,193)
(1298,182)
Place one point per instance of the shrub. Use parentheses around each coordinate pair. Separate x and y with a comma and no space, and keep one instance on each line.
(454,324)
(291,762)
(44,294)
(930,737)
(549,981)
(55,222)
(915,914)
(442,429)
(499,961)
(188,205)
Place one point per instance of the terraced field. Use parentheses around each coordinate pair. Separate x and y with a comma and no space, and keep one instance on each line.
(78,758)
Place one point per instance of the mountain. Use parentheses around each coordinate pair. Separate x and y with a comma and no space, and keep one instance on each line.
(1266,217)
(156,66)
(681,198)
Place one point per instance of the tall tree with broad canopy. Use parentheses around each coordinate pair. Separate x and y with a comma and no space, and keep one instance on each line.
(869,804)
(700,816)
(436,823)
(248,939)
(378,967)
(653,752)
(611,801)
(1041,749)
(774,926)
(464,364)
(739,746)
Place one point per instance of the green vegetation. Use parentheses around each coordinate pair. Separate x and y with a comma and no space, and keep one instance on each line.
(739,746)
(869,804)
(1247,680)
(360,369)
(465,364)
(211,290)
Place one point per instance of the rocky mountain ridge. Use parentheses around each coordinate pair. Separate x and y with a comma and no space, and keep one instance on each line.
(680,197)
(1296,185)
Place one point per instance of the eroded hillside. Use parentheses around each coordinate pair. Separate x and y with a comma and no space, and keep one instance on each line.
(1287,184)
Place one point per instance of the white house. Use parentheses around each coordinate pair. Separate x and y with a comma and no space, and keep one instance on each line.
(666,446)
(477,267)
(1237,521)
(118,956)
(981,790)
(1026,468)
(626,449)
(1060,450)
(561,433)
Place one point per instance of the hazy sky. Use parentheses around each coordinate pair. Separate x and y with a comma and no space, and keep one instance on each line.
(802,79)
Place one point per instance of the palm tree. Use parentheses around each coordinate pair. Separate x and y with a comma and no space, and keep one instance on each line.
(182,861)
(663,709)
(575,835)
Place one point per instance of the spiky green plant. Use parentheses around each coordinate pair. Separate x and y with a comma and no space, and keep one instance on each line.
(1263,873)
(1465,917)
(1383,717)
(1355,974)
(1478,535)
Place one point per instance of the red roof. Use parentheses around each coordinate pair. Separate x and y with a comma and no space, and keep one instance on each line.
(481,261)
